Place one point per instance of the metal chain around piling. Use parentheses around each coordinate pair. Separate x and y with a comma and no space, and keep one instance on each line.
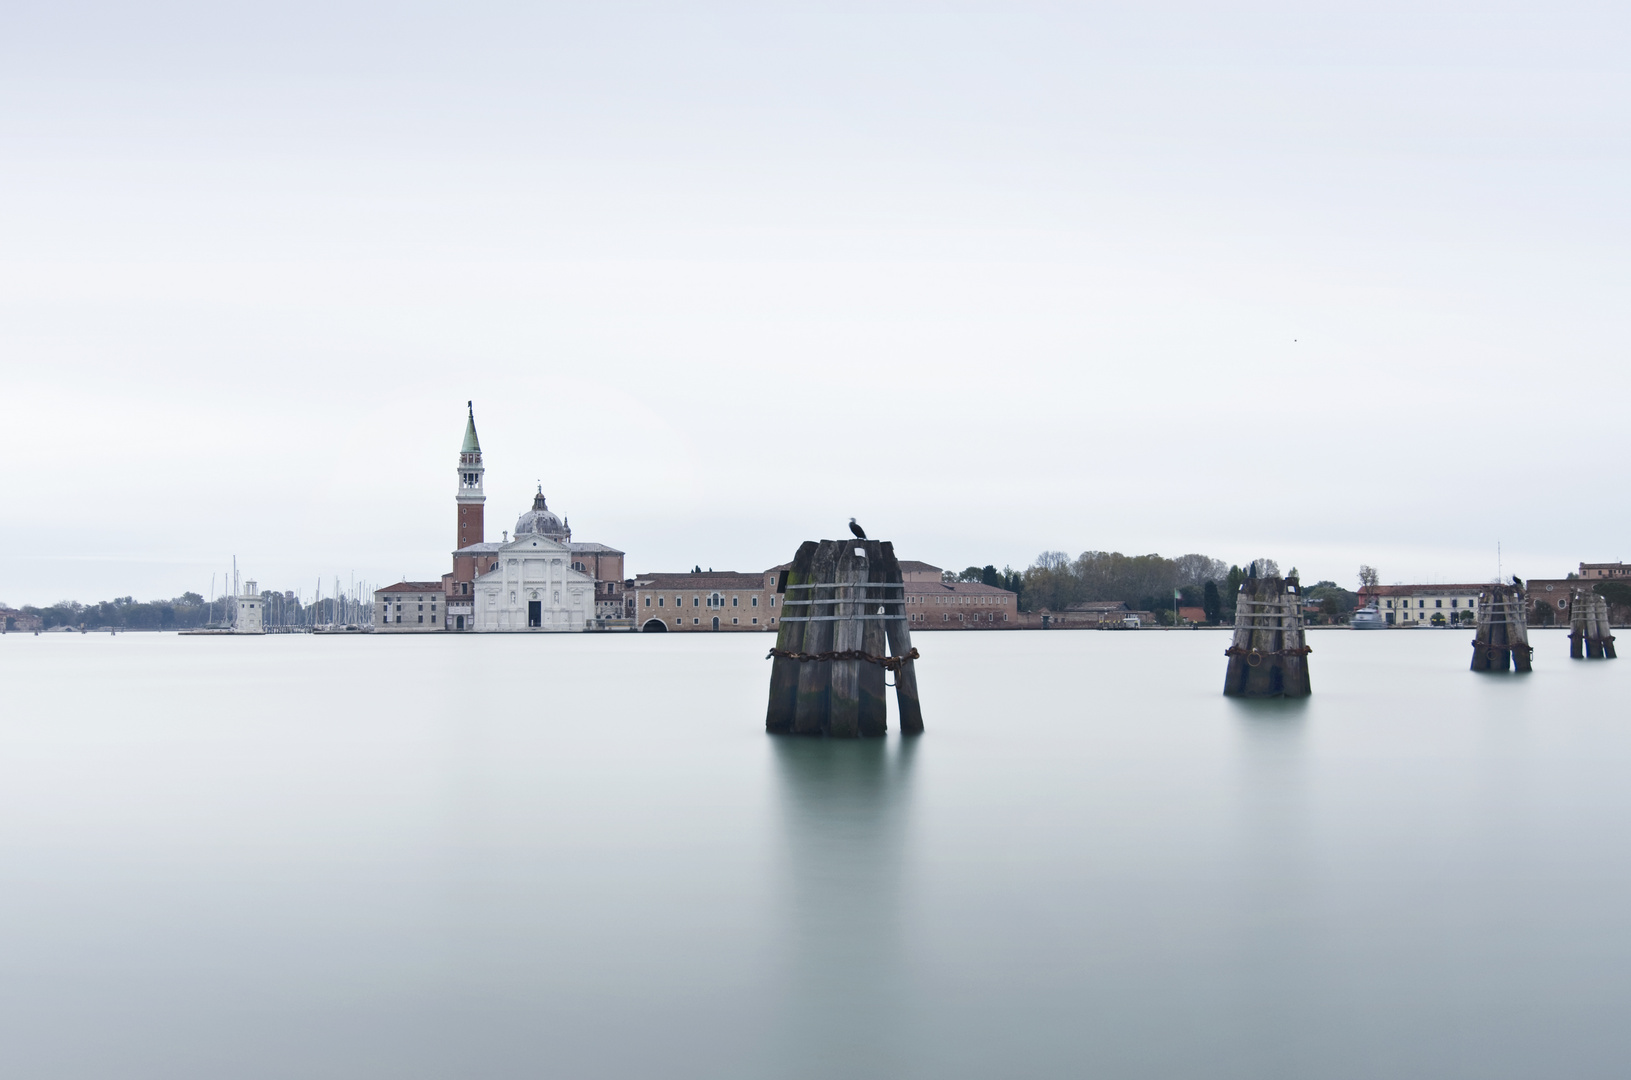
(1485,647)
(888,663)
(1254,657)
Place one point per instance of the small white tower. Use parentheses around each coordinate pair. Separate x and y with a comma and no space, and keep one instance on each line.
(251,613)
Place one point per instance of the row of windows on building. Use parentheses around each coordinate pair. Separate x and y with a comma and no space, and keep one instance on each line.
(714,601)
(734,621)
(401,618)
(918,616)
(1436,603)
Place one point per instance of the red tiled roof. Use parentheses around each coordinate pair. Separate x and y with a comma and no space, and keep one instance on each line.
(1416,590)
(907,566)
(412,586)
(963,588)
(709,579)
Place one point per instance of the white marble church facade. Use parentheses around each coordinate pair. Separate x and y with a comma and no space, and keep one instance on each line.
(538,582)
(532,586)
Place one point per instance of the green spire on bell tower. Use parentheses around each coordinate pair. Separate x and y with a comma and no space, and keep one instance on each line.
(471,496)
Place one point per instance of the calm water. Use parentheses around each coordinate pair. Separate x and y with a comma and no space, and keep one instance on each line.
(581,857)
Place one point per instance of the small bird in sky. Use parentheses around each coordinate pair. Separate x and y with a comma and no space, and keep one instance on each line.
(860,533)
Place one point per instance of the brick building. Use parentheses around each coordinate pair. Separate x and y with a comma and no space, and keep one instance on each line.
(959,605)
(13,621)
(727,600)
(932,603)
(713,600)
(1089,615)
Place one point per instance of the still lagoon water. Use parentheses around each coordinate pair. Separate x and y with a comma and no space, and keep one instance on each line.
(581,857)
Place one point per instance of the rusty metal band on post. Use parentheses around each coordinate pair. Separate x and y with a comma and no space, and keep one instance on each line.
(889,663)
(1255,657)
(1488,648)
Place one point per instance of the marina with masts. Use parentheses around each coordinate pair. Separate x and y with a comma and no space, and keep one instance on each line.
(345,609)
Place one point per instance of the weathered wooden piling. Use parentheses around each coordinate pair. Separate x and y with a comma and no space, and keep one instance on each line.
(1589,636)
(842,602)
(1269,656)
(1502,640)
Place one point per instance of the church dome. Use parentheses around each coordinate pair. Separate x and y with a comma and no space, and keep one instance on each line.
(540,521)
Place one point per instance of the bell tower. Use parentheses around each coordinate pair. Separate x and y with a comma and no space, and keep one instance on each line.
(471,497)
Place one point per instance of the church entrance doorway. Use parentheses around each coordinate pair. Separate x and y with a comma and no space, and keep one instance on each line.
(716,622)
(461,622)
(535,613)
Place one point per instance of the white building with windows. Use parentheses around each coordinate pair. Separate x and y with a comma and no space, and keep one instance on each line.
(532,587)
(1424,605)
(409,607)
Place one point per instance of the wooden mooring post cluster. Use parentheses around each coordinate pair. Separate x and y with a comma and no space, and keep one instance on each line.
(1269,656)
(1502,641)
(843,603)
(1589,637)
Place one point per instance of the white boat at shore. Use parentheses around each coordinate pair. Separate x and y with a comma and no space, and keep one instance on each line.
(1368,618)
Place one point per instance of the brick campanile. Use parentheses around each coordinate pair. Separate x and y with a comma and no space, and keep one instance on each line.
(471,497)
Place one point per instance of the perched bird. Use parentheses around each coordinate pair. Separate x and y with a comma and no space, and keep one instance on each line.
(1518,581)
(860,533)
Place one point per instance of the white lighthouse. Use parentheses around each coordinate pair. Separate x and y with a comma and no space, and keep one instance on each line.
(251,612)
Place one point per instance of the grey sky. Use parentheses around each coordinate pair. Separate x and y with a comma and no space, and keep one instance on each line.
(1318,284)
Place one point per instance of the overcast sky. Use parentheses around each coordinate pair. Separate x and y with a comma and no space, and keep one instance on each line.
(1329,285)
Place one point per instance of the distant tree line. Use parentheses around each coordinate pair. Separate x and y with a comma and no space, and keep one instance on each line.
(1055,581)
(189,611)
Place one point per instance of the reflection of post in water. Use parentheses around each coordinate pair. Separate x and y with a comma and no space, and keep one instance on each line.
(844,810)
(1270,880)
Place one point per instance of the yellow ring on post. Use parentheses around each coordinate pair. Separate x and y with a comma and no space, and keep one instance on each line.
(1254,659)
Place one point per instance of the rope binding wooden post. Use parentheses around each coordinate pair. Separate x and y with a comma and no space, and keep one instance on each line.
(1268,656)
(843,627)
(1589,636)
(1502,640)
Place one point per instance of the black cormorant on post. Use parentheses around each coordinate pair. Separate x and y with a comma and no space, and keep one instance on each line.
(1518,581)
(860,533)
